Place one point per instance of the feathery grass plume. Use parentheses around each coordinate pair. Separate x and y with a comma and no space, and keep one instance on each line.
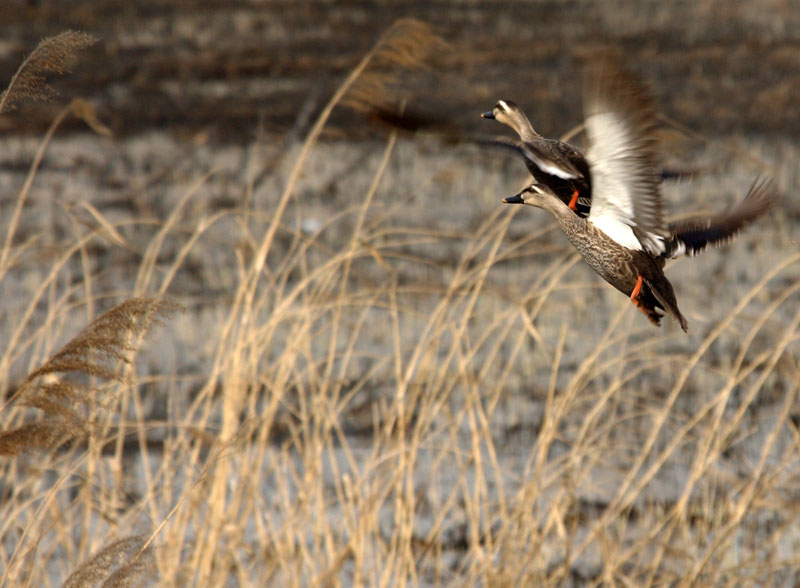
(102,350)
(408,44)
(46,435)
(118,564)
(96,349)
(53,55)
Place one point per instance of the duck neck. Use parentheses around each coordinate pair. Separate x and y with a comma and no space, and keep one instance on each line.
(524,127)
(574,227)
(558,209)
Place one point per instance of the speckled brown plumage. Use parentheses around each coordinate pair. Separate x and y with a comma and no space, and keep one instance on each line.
(625,238)
(618,265)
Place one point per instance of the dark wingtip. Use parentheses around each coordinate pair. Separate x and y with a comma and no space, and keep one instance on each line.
(489,114)
(692,236)
(517,199)
(765,193)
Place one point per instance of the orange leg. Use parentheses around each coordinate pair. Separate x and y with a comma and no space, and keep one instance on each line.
(573,203)
(636,289)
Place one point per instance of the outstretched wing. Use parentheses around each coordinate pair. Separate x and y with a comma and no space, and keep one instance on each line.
(620,124)
(692,236)
(540,152)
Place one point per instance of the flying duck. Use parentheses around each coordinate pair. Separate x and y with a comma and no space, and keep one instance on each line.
(555,163)
(559,165)
(624,237)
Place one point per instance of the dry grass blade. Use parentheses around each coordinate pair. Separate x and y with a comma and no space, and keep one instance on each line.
(119,564)
(54,55)
(86,112)
(102,350)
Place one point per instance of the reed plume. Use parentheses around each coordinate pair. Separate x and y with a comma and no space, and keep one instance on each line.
(103,350)
(118,564)
(409,44)
(54,55)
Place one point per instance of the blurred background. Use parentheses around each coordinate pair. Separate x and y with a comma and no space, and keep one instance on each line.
(224,68)
(232,89)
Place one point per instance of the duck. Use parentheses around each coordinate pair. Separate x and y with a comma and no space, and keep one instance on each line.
(624,238)
(560,165)
(573,187)
(557,164)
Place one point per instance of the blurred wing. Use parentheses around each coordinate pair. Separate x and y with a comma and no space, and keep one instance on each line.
(540,152)
(620,124)
(692,236)
(411,120)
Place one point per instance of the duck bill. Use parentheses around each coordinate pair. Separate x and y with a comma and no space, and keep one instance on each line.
(517,199)
(489,114)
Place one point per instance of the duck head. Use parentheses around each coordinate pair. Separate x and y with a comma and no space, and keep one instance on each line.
(508,113)
(537,195)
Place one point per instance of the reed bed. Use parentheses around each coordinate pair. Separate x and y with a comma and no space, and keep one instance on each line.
(384,402)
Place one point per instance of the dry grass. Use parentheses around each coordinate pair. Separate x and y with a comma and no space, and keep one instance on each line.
(383,406)
(103,351)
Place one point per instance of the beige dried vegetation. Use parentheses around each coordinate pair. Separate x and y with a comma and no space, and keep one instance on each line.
(374,415)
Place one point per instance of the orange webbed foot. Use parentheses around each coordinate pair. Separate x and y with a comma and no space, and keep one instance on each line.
(636,289)
(649,312)
(573,203)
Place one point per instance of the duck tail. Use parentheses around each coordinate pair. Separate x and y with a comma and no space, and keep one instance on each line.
(662,290)
(649,305)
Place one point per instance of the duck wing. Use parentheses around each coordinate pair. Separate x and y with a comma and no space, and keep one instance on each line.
(692,236)
(620,125)
(541,152)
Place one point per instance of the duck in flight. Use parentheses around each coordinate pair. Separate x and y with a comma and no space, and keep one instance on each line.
(559,165)
(624,237)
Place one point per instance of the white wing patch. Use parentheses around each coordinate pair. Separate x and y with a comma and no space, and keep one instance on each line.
(617,230)
(609,156)
(680,250)
(617,175)
(547,166)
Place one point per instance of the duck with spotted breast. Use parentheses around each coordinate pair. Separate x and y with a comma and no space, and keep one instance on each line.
(687,237)
(559,165)
(624,238)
